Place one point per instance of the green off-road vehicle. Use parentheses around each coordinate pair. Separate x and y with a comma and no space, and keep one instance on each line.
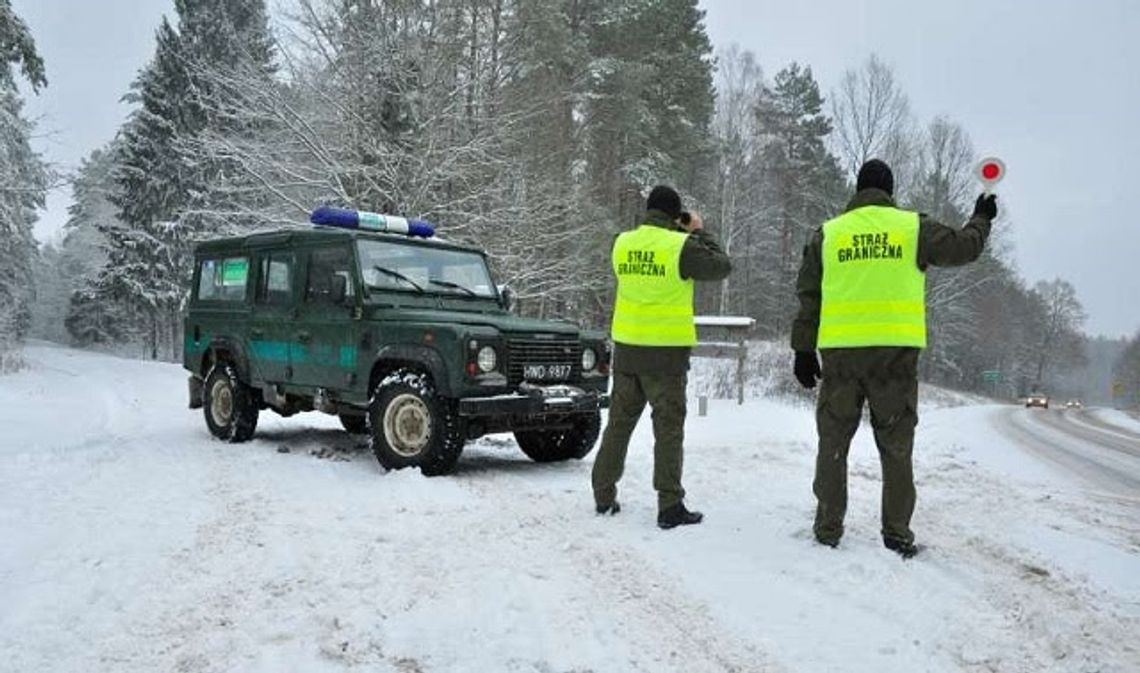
(406,339)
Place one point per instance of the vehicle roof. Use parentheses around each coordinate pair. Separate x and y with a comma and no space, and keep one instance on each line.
(318,234)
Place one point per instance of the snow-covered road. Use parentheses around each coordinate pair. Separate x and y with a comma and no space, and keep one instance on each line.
(131,541)
(1106,456)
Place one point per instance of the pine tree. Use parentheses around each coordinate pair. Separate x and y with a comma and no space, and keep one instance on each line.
(646,115)
(802,181)
(23,180)
(87,317)
(169,194)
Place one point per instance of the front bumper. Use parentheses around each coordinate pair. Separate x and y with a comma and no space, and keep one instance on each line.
(533,400)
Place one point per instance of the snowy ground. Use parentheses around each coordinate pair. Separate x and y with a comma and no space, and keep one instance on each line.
(130,541)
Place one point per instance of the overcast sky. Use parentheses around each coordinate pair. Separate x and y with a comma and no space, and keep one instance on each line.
(1051,86)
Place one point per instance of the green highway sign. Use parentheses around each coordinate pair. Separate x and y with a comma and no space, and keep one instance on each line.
(991,375)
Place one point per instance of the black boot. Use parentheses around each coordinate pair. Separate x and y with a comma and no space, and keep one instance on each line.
(677,515)
(611,509)
(903,549)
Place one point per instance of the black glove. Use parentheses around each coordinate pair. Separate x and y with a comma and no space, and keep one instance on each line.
(986,206)
(807,368)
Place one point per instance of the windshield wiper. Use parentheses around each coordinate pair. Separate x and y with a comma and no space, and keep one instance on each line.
(447,283)
(397,275)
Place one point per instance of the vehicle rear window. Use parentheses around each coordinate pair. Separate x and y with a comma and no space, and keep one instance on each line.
(223,279)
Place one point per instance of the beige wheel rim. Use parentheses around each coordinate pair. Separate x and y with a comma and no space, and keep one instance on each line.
(221,402)
(407,425)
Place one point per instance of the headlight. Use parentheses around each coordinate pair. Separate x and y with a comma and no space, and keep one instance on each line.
(487,359)
(589,359)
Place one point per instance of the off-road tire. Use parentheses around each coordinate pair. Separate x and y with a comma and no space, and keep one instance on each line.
(355,424)
(230,406)
(549,446)
(410,425)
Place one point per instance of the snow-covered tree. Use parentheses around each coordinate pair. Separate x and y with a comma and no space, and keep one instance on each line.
(739,200)
(803,183)
(74,310)
(872,119)
(1126,374)
(166,187)
(1060,341)
(23,181)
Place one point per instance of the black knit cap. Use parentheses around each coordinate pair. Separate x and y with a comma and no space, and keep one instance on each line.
(665,199)
(876,174)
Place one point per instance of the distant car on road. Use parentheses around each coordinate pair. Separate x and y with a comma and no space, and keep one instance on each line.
(1037,400)
(1074,404)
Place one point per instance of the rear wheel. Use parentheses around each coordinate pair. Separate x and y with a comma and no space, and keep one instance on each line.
(355,424)
(230,406)
(412,426)
(548,446)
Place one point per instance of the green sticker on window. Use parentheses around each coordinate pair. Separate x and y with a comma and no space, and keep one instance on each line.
(235,271)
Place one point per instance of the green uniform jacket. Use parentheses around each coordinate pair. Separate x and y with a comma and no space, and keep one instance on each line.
(701,259)
(938,245)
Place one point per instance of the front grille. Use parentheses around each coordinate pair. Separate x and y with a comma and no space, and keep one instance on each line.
(543,350)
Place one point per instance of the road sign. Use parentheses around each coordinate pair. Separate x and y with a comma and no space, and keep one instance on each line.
(991,375)
(991,170)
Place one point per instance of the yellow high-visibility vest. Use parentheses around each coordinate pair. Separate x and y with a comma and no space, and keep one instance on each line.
(873,293)
(654,305)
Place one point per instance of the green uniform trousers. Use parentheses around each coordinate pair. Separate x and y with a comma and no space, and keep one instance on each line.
(893,403)
(665,393)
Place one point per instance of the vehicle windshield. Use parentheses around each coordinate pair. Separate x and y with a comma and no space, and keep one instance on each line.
(391,266)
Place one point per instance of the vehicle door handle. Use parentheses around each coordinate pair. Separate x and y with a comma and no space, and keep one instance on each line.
(304,337)
(256,333)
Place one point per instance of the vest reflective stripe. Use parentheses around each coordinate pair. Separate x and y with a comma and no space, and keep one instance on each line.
(873,293)
(654,305)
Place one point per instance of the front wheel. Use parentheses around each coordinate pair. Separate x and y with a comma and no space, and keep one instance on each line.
(230,405)
(548,446)
(412,426)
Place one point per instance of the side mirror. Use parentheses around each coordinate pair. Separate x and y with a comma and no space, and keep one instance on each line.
(507,298)
(338,289)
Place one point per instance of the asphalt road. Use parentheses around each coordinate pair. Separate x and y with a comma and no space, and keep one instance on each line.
(1104,456)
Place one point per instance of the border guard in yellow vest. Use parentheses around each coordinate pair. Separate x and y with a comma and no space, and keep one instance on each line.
(862,294)
(656,266)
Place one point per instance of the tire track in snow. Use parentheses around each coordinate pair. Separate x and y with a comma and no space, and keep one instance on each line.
(1052,443)
(1086,417)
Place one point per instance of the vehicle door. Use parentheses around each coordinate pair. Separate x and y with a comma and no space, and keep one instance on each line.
(323,351)
(274,306)
(220,304)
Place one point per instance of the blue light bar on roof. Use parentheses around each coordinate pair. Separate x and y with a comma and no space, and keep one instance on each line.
(361,219)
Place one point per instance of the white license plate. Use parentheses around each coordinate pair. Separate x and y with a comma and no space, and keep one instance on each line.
(546,372)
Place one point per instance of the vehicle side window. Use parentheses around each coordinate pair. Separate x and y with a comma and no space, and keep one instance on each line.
(325,265)
(223,279)
(275,282)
